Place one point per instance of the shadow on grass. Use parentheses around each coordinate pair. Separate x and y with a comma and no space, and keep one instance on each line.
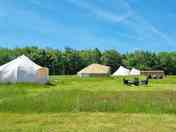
(50,83)
(27,85)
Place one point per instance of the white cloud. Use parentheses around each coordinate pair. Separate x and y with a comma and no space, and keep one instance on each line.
(129,36)
(147,31)
(164,36)
(105,14)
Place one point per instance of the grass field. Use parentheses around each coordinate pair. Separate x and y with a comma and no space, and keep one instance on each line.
(73,104)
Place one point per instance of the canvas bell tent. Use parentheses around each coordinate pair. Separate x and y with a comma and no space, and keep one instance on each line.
(22,69)
(94,70)
(135,72)
(122,71)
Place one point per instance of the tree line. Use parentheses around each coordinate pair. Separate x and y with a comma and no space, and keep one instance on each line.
(69,61)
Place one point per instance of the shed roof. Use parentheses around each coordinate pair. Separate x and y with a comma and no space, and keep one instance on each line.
(95,69)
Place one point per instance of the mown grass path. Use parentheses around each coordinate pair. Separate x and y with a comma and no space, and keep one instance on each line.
(87,122)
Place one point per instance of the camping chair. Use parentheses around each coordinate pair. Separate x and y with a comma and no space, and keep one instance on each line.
(128,82)
(125,82)
(136,81)
(144,82)
(131,82)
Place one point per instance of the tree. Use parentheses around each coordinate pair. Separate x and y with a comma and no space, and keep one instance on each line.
(143,60)
(70,61)
(168,62)
(112,58)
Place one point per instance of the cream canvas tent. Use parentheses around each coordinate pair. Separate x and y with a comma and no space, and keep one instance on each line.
(94,70)
(135,72)
(122,71)
(22,69)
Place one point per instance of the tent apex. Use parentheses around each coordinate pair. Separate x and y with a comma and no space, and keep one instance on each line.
(22,56)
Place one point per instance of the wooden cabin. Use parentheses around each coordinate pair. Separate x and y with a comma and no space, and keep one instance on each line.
(157,74)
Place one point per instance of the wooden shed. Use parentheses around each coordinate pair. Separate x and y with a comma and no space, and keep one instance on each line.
(158,74)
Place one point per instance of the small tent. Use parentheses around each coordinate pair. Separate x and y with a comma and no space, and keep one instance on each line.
(135,72)
(22,69)
(94,70)
(122,71)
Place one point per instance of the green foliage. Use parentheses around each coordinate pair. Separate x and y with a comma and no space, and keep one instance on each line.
(112,58)
(70,61)
(74,94)
(73,104)
(87,122)
(142,60)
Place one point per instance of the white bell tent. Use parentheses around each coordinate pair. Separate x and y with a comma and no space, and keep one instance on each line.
(22,69)
(122,71)
(135,72)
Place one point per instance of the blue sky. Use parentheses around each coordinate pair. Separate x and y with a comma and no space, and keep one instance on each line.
(125,25)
